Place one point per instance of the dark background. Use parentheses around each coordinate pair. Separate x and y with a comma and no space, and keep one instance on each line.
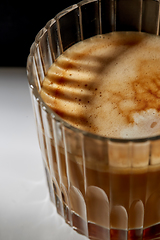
(19,24)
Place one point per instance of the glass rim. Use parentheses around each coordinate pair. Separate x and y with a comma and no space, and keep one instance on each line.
(46,108)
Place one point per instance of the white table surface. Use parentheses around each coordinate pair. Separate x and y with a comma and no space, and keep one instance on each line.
(26,212)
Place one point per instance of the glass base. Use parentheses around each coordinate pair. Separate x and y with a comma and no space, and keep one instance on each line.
(96,232)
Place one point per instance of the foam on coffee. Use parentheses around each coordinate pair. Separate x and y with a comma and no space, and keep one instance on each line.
(108,85)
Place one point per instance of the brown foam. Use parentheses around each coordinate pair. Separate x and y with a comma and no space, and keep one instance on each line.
(108,85)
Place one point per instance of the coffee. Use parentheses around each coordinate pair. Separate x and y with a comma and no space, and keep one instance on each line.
(108,85)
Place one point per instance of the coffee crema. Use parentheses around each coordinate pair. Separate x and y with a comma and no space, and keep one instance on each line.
(108,85)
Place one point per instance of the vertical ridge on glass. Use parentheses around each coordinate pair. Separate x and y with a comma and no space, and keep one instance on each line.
(39,64)
(75,168)
(150,17)
(50,44)
(45,50)
(69,31)
(108,16)
(90,18)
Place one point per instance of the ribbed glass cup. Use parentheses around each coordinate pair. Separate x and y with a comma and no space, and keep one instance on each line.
(104,188)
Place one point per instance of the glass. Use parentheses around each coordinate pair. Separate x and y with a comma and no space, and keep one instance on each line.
(96,183)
